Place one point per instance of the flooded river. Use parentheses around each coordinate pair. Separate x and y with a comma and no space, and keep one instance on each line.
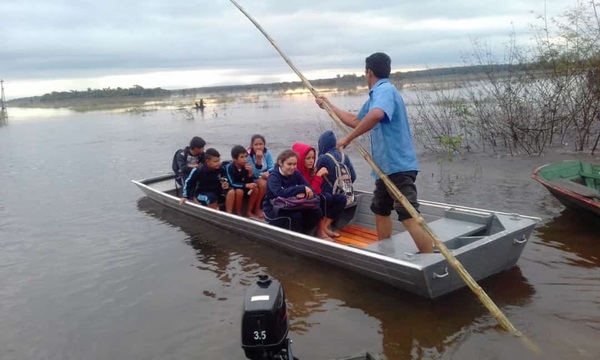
(91,269)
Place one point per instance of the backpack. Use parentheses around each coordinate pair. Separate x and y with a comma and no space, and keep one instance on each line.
(343,180)
(174,165)
(293,203)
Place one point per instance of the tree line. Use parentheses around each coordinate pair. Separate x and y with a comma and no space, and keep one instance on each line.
(134,91)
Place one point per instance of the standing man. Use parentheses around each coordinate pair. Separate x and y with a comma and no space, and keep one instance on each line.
(384,114)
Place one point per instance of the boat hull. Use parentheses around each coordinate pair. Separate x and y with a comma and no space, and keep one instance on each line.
(396,262)
(575,203)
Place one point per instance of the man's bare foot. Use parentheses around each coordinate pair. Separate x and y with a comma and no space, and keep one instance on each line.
(332,233)
(260,214)
(250,215)
(324,237)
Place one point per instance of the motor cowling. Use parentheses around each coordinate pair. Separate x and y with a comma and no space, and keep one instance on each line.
(265,322)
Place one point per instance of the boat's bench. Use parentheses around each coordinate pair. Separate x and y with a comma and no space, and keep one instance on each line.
(591,175)
(577,188)
(445,229)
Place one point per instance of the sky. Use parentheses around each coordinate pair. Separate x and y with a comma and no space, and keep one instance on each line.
(63,45)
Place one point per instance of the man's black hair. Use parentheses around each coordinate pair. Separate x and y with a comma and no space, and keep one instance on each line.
(380,63)
(236,151)
(197,142)
(211,153)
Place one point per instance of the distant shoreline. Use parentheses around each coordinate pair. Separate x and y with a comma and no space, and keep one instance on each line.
(341,82)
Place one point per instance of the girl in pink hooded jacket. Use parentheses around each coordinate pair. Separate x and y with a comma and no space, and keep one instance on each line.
(331,204)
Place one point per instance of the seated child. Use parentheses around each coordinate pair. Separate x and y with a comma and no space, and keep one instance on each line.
(326,144)
(241,180)
(286,181)
(204,184)
(331,204)
(185,160)
(262,162)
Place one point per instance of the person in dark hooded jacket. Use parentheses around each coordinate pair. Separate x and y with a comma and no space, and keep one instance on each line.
(187,159)
(327,142)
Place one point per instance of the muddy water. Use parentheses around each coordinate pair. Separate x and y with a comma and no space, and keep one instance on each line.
(91,269)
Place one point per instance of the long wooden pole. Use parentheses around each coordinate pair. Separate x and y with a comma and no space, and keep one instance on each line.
(456,265)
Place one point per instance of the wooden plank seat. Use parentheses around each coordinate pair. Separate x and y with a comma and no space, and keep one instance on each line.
(577,188)
(589,175)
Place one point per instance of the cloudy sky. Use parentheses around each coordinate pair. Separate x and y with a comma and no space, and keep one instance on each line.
(75,44)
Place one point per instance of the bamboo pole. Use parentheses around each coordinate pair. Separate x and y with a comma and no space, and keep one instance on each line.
(456,265)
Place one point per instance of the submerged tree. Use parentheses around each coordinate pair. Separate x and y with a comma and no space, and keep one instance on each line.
(532,97)
(573,57)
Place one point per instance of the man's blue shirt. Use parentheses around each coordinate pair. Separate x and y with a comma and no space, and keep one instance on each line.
(392,146)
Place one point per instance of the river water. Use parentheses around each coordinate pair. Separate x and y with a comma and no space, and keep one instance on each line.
(91,269)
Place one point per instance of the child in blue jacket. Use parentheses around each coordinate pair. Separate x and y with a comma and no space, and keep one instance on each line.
(262,163)
(204,185)
(241,181)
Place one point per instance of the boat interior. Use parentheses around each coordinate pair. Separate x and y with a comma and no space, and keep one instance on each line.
(455,227)
(577,176)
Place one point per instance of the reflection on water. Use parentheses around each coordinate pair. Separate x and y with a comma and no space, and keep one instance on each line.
(31,114)
(313,289)
(577,236)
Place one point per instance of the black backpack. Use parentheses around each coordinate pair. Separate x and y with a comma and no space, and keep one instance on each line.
(174,165)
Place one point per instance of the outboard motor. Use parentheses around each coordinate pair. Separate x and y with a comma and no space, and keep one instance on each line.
(265,322)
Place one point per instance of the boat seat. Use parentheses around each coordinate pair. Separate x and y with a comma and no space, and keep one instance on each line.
(445,229)
(589,175)
(577,188)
